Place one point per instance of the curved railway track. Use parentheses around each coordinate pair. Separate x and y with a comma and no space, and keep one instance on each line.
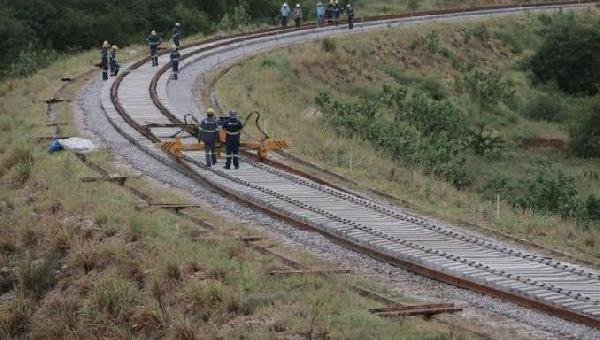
(139,96)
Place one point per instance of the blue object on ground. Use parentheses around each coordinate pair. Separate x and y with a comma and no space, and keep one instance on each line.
(54,146)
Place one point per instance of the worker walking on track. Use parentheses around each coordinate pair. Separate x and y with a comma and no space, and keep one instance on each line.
(297,15)
(175,57)
(285,14)
(320,13)
(232,127)
(104,60)
(114,65)
(177,34)
(350,16)
(153,42)
(335,13)
(208,134)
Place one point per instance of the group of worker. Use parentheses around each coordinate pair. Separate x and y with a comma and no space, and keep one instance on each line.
(154,42)
(332,13)
(108,60)
(208,133)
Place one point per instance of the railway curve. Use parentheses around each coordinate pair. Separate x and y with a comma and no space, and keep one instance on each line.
(143,94)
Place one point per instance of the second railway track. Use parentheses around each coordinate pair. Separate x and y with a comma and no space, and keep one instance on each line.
(140,96)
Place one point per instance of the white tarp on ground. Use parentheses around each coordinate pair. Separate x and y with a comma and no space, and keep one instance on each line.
(77,145)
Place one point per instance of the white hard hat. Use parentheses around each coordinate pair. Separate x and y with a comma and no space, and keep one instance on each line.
(232,112)
(153,32)
(177,24)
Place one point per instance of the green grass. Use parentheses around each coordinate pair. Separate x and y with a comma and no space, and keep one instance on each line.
(80,261)
(283,84)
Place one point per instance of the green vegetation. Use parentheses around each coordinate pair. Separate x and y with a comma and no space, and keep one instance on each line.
(568,56)
(446,117)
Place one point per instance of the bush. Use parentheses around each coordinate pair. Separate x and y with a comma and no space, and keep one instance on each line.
(489,88)
(553,192)
(590,212)
(569,56)
(424,132)
(548,107)
(585,136)
(36,276)
(112,298)
(328,45)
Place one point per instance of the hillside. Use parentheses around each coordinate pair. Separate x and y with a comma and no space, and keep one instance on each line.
(446,117)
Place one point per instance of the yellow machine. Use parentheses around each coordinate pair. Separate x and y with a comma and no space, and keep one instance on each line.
(260,146)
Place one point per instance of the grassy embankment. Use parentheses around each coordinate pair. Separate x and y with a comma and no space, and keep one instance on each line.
(440,60)
(80,261)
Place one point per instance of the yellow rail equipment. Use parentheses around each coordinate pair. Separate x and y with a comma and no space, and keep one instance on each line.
(260,146)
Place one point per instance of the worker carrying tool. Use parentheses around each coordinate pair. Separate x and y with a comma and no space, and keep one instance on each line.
(104,60)
(285,14)
(297,15)
(350,16)
(175,57)
(177,34)
(114,65)
(209,134)
(153,42)
(232,126)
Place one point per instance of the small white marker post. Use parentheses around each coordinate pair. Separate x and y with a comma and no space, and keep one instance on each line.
(498,207)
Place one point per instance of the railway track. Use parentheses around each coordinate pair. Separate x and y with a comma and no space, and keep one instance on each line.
(140,96)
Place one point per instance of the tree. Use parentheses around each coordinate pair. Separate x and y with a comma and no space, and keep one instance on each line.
(568,56)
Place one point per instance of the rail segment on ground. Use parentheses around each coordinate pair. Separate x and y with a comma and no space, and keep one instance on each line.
(140,96)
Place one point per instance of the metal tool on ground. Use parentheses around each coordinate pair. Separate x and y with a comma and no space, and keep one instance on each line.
(111,178)
(427,310)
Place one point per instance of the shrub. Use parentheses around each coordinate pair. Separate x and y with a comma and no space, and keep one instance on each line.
(431,116)
(234,20)
(485,142)
(489,88)
(20,160)
(552,191)
(36,276)
(15,316)
(585,136)
(328,45)
(546,107)
(112,298)
(569,56)
(433,41)
(590,212)
(498,186)
(481,32)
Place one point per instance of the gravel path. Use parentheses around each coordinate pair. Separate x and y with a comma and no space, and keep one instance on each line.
(495,316)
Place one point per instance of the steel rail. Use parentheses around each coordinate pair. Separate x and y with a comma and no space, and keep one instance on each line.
(343,238)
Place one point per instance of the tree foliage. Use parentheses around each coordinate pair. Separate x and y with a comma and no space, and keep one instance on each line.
(68,25)
(568,55)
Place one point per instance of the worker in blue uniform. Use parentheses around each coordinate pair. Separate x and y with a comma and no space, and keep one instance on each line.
(104,60)
(208,134)
(350,16)
(177,34)
(285,14)
(175,58)
(114,64)
(154,42)
(320,13)
(232,126)
(335,13)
